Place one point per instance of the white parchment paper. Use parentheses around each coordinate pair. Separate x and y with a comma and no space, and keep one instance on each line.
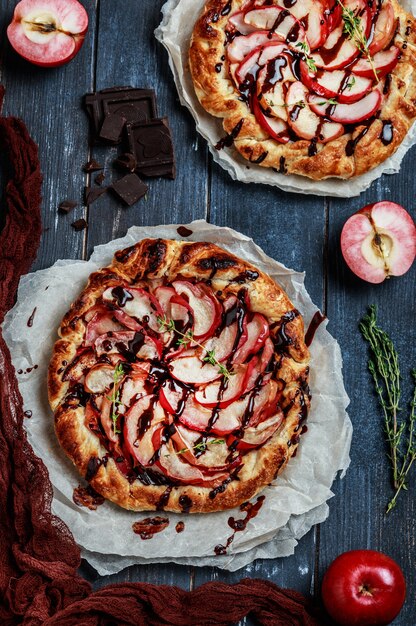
(174,32)
(294,502)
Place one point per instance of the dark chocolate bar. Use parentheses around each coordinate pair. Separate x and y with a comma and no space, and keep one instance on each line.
(151,144)
(131,103)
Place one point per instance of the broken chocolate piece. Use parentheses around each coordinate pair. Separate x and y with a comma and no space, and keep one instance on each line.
(151,144)
(131,103)
(100,178)
(130,188)
(66,206)
(93,193)
(112,127)
(79,224)
(126,161)
(183,231)
(92,166)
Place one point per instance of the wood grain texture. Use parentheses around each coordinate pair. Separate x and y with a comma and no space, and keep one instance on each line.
(300,231)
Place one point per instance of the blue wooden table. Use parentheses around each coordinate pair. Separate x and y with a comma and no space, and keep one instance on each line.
(301,231)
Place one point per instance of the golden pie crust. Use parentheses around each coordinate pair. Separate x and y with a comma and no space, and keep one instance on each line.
(219,96)
(154,261)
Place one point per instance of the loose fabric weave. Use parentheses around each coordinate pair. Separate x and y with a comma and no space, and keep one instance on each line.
(39,558)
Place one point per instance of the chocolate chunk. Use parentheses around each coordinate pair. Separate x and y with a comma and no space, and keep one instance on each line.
(130,188)
(100,178)
(79,224)
(151,144)
(126,161)
(133,104)
(66,206)
(112,127)
(93,193)
(92,166)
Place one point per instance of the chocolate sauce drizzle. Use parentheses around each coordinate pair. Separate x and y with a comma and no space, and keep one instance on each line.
(238,525)
(32,317)
(150,526)
(316,321)
(228,140)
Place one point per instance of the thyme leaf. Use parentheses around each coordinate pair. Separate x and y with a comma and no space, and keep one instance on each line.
(328,101)
(310,62)
(199,447)
(385,371)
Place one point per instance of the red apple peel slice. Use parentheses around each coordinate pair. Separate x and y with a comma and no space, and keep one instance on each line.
(276,20)
(384,63)
(383,29)
(205,307)
(348,113)
(276,128)
(242,46)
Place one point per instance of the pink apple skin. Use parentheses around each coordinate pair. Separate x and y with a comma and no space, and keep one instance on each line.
(48,48)
(395,226)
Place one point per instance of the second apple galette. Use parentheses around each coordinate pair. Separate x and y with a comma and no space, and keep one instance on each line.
(180,380)
(321,88)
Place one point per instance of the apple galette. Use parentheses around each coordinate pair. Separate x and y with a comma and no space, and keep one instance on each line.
(180,380)
(321,88)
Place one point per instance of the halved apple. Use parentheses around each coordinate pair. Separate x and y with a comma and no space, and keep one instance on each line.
(347,113)
(379,241)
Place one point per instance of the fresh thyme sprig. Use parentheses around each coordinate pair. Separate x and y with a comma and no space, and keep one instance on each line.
(354,29)
(200,447)
(351,83)
(328,101)
(187,338)
(115,396)
(310,62)
(384,368)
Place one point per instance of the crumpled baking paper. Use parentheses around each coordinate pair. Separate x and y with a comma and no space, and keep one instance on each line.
(174,32)
(294,502)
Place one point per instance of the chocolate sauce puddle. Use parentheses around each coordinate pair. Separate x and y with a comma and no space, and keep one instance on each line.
(150,526)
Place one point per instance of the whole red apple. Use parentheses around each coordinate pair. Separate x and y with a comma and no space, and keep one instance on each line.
(379,241)
(363,588)
(48,32)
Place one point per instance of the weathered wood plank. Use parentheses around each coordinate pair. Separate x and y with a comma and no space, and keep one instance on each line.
(357,518)
(128,54)
(48,100)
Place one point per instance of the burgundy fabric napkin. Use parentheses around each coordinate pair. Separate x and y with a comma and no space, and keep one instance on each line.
(39,558)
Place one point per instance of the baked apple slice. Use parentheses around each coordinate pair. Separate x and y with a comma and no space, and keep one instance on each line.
(213,458)
(242,46)
(100,324)
(304,121)
(255,437)
(130,344)
(99,378)
(141,422)
(278,21)
(179,470)
(347,113)
(192,369)
(223,392)
(206,309)
(257,333)
(137,303)
(383,29)
(247,70)
(337,52)
(310,14)
(276,128)
(384,62)
(340,84)
(236,24)
(77,369)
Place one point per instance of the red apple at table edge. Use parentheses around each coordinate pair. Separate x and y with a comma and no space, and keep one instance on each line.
(379,241)
(363,588)
(48,33)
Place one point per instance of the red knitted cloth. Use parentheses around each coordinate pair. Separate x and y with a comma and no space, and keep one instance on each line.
(38,556)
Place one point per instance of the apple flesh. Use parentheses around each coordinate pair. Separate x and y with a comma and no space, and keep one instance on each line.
(379,241)
(363,588)
(48,33)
